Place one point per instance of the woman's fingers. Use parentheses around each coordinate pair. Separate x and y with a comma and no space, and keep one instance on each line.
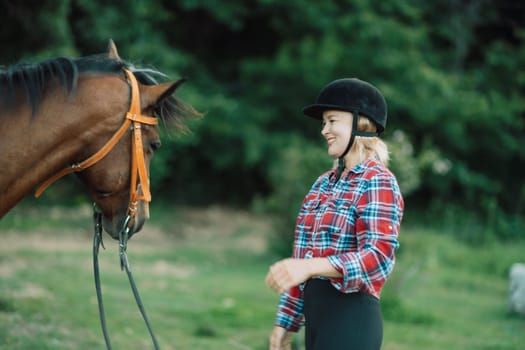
(287,273)
(274,280)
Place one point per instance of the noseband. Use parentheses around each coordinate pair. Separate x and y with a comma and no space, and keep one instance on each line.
(139,176)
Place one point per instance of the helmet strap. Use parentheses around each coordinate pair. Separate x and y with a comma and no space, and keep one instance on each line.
(354,133)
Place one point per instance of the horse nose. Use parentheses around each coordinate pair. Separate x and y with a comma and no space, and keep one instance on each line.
(112,227)
(137,226)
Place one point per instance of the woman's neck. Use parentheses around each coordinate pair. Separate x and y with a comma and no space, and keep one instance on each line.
(351,160)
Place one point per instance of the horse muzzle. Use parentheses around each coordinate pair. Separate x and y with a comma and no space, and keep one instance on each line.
(115,225)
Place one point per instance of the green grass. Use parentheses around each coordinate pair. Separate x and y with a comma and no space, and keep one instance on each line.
(201,278)
(455,295)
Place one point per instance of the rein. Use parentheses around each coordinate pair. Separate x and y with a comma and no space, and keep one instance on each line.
(124,264)
(139,178)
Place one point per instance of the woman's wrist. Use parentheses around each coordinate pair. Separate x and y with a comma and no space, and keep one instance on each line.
(321,267)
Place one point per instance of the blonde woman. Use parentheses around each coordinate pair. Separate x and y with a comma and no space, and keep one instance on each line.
(346,231)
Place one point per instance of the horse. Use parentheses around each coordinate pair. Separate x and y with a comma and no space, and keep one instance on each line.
(84,115)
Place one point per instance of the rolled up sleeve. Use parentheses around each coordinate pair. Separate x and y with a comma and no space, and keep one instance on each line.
(379,214)
(290,310)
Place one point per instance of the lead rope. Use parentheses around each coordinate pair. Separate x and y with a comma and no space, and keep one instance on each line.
(97,241)
(124,264)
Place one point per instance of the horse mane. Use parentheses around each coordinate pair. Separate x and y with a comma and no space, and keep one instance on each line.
(31,79)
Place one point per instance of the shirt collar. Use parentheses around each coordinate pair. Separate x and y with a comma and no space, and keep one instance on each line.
(361,167)
(358,168)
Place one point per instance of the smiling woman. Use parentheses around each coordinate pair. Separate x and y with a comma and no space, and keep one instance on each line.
(337,128)
(346,231)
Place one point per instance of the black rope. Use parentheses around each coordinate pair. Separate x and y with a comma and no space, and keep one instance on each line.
(124,264)
(97,241)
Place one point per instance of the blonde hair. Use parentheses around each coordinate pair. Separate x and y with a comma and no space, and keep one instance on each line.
(369,147)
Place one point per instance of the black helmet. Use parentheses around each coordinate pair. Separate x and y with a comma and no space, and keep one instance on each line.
(351,95)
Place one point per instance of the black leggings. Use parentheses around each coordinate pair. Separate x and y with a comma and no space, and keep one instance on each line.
(335,320)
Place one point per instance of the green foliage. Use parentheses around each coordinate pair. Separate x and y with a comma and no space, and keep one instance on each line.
(29,33)
(452,72)
(404,164)
(291,175)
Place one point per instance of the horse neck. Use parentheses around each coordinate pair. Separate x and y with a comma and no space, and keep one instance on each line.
(33,148)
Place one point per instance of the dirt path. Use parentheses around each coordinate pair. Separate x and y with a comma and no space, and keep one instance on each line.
(220,225)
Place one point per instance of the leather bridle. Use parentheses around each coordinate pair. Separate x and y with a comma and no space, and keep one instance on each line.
(139,173)
(139,178)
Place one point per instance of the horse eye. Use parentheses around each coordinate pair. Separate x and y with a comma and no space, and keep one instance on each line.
(155,145)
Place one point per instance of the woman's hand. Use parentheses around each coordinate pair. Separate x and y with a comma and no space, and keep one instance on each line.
(288,273)
(280,339)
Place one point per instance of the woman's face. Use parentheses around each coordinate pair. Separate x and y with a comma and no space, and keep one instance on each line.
(337,127)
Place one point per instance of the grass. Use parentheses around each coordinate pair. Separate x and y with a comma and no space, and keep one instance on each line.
(201,277)
(454,295)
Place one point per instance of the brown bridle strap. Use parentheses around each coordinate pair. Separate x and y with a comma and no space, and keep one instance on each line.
(88,162)
(133,120)
(138,164)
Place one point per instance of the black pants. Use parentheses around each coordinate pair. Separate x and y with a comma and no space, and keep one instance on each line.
(338,321)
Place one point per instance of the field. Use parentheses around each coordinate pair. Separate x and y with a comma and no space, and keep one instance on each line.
(201,276)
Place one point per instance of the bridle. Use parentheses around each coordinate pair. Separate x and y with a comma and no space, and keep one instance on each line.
(139,174)
(139,178)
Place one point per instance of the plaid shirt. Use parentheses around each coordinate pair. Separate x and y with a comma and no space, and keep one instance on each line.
(354,223)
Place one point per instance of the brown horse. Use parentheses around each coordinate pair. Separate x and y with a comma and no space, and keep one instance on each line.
(59,114)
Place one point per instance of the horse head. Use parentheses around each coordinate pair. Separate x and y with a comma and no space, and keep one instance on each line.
(102,125)
(119,183)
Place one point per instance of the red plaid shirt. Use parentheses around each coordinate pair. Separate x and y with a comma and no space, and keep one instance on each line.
(354,223)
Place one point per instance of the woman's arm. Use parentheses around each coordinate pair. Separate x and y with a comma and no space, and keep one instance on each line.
(291,272)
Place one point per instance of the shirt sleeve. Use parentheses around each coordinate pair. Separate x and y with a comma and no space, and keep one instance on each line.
(290,310)
(379,214)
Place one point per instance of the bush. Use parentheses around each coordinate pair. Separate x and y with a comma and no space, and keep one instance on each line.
(299,164)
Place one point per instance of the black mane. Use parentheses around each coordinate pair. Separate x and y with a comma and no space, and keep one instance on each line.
(31,79)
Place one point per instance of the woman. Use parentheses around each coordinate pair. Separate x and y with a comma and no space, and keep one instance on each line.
(346,230)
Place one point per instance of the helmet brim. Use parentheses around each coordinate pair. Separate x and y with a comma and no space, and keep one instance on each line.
(316,110)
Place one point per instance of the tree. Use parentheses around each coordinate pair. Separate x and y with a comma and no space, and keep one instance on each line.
(452,73)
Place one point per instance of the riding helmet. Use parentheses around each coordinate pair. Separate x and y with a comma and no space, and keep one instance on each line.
(351,95)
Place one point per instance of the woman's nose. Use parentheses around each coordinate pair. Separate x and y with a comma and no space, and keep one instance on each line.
(324,129)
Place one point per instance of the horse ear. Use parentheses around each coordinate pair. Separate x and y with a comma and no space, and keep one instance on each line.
(151,95)
(112,50)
